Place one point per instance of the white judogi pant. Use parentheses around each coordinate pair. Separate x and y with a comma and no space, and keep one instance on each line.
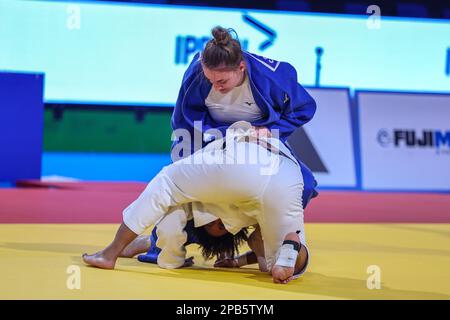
(212,182)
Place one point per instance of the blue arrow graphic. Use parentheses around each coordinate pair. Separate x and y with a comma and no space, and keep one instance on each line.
(264,29)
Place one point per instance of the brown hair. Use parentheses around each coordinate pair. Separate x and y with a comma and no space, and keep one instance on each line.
(222,51)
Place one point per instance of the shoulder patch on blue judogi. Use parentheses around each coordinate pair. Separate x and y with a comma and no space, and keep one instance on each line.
(269,63)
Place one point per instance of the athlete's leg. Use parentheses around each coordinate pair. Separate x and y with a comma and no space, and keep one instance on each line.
(282,216)
(156,200)
(286,272)
(106,259)
(139,245)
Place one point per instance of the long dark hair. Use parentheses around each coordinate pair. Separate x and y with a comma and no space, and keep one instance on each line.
(222,51)
(213,246)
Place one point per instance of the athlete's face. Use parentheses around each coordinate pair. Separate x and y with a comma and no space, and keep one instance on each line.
(225,80)
(216,228)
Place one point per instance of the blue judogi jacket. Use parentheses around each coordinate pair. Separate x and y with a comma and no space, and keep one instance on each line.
(284,103)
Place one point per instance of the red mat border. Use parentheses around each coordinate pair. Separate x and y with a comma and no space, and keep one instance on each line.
(103,202)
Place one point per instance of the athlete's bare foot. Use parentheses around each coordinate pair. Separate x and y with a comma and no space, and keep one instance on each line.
(139,245)
(99,260)
(282,274)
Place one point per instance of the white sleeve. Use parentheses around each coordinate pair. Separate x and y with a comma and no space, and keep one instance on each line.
(172,237)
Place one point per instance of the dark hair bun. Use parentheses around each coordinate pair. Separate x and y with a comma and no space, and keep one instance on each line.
(221,36)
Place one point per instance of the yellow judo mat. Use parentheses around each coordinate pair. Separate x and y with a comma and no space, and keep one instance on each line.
(348,261)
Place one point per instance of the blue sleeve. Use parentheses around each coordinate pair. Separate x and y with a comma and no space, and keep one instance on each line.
(298,107)
(178,119)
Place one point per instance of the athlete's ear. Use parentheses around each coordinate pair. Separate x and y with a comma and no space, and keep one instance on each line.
(242,66)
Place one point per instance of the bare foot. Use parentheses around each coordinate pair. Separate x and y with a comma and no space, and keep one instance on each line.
(139,245)
(99,260)
(282,274)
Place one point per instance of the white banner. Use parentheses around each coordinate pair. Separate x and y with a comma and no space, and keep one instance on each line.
(405,141)
(109,53)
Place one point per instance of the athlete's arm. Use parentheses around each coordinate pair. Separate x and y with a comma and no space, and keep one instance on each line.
(237,262)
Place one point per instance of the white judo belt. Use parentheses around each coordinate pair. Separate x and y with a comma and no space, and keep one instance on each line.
(242,131)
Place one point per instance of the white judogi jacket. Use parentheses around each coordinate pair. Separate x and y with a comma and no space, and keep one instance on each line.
(162,193)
